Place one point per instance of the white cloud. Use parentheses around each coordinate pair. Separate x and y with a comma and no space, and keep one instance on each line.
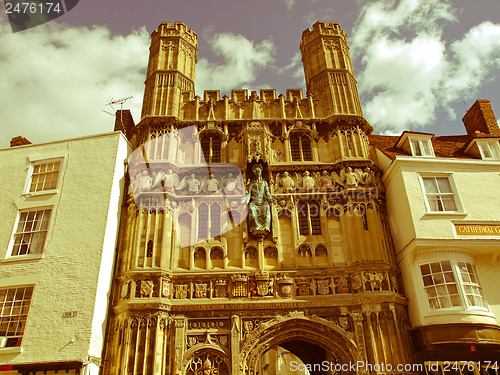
(409,70)
(56,80)
(243,59)
(289,4)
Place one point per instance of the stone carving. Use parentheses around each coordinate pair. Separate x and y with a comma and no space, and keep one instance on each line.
(342,285)
(170,180)
(145,181)
(350,178)
(356,282)
(220,289)
(200,290)
(180,291)
(146,288)
(239,286)
(194,184)
(259,205)
(343,321)
(210,184)
(263,285)
(303,287)
(285,287)
(307,181)
(323,287)
(285,182)
(232,185)
(166,288)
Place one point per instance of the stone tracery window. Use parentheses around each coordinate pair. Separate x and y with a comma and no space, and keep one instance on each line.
(309,218)
(211,146)
(300,147)
(207,363)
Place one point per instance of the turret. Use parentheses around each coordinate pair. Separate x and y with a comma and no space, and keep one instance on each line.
(171,69)
(328,69)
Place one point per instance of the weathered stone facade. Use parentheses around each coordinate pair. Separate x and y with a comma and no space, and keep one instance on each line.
(194,291)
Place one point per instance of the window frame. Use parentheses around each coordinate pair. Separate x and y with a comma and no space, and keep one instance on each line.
(454,192)
(213,150)
(31,172)
(464,306)
(210,227)
(492,146)
(307,215)
(10,253)
(20,315)
(421,142)
(301,147)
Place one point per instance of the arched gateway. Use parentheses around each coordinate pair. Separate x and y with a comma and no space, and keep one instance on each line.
(338,345)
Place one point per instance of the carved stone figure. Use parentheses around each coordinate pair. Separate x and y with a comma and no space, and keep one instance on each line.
(259,205)
(210,184)
(307,181)
(325,181)
(287,182)
(232,185)
(194,184)
(350,178)
(145,181)
(170,180)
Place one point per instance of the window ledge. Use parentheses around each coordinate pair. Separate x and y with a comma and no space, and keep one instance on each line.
(22,258)
(460,312)
(11,350)
(445,213)
(41,193)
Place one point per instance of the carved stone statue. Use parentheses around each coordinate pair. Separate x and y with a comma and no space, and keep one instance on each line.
(307,181)
(210,184)
(259,205)
(145,181)
(194,184)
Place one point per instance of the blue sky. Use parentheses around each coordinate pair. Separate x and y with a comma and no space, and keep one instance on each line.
(416,61)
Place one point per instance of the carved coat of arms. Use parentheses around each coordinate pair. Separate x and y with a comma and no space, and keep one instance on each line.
(323,287)
(263,285)
(304,287)
(147,287)
(344,321)
(285,287)
(180,291)
(220,289)
(356,282)
(166,288)
(200,290)
(342,285)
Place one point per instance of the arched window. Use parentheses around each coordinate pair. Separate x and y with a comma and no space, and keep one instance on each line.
(320,251)
(304,252)
(251,257)
(203,221)
(270,256)
(300,148)
(217,257)
(211,145)
(214,220)
(309,218)
(200,258)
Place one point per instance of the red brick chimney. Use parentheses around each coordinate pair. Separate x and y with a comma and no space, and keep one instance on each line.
(19,141)
(480,118)
(124,122)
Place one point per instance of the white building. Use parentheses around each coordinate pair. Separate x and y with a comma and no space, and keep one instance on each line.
(60,207)
(443,206)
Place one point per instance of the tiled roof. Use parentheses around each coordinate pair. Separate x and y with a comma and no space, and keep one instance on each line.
(447,146)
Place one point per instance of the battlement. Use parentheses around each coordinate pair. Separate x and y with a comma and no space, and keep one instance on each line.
(178,29)
(322,28)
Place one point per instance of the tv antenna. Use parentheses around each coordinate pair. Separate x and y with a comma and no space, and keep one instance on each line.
(112,102)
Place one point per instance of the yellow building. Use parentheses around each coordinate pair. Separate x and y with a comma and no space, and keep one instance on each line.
(255,239)
(60,207)
(442,200)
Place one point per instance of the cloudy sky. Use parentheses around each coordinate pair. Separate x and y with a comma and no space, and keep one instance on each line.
(416,61)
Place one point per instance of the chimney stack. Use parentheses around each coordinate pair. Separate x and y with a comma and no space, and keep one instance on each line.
(19,141)
(480,118)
